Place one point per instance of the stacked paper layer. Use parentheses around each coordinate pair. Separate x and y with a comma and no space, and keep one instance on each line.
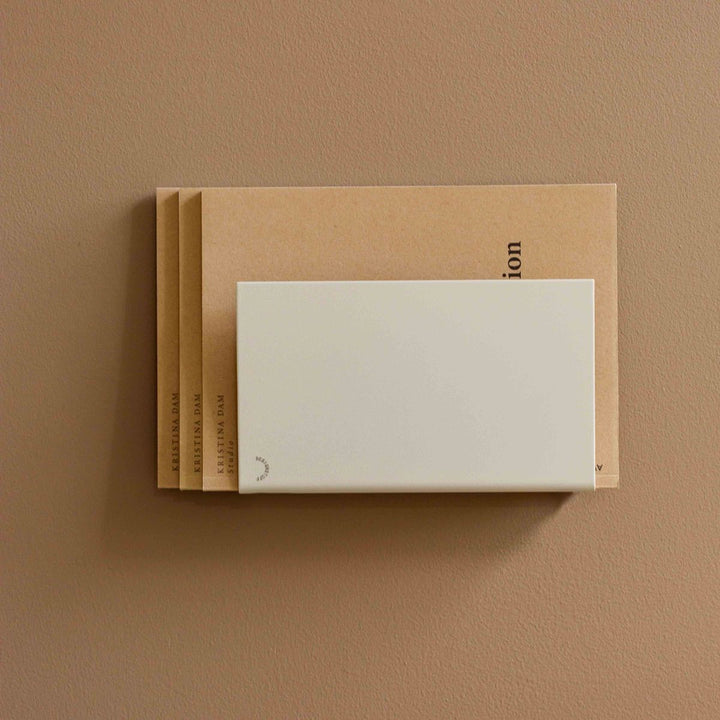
(210,239)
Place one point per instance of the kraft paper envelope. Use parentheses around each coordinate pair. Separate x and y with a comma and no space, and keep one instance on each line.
(168,380)
(190,340)
(401,233)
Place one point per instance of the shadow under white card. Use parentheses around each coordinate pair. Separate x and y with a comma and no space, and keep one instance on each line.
(416,386)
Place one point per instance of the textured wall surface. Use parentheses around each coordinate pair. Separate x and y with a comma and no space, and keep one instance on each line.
(122,601)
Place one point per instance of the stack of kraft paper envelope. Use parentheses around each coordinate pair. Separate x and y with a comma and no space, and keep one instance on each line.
(209,239)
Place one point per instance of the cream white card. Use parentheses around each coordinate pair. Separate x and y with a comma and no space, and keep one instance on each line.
(416,386)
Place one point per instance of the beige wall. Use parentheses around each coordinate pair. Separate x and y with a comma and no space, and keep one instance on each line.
(122,601)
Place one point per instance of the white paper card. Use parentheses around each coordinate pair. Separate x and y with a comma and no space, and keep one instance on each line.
(416,386)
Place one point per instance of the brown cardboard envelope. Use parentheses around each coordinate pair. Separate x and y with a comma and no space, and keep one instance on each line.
(400,233)
(190,337)
(168,381)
